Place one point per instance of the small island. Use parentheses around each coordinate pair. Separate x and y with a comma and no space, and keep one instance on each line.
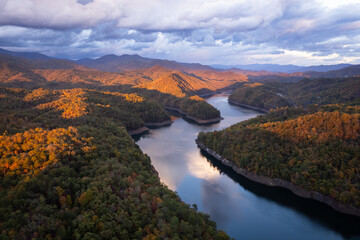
(196,109)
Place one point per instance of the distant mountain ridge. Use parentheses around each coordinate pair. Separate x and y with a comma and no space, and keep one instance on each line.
(19,71)
(350,71)
(30,55)
(284,68)
(37,60)
(126,62)
(166,76)
(114,63)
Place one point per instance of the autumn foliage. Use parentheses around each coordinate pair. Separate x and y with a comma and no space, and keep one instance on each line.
(319,127)
(316,148)
(302,93)
(66,173)
(34,150)
(71,103)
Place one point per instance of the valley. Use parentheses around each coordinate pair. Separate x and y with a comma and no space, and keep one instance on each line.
(67,156)
(239,206)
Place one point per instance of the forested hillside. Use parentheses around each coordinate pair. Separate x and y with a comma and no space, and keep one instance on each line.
(194,106)
(262,96)
(69,170)
(15,72)
(308,91)
(317,148)
(55,108)
(58,73)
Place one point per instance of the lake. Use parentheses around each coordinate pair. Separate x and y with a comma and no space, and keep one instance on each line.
(244,209)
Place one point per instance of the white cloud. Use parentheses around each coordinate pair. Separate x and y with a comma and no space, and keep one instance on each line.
(142,14)
(206,31)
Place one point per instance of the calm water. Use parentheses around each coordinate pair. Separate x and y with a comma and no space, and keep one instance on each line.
(245,210)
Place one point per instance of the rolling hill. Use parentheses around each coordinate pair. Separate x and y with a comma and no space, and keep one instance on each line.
(17,71)
(70,170)
(114,63)
(30,55)
(283,68)
(171,77)
(303,93)
(37,60)
(175,83)
(350,71)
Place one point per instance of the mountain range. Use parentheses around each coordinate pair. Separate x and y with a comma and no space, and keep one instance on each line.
(34,70)
(114,63)
(179,79)
(283,68)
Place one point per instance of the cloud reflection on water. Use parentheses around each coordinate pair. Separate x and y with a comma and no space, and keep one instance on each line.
(199,167)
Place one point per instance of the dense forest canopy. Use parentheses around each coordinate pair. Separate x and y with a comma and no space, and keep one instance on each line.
(193,106)
(317,148)
(260,96)
(306,92)
(69,170)
(73,106)
(157,84)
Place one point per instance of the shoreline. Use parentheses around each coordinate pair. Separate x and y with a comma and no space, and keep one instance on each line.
(208,121)
(275,182)
(138,131)
(158,124)
(175,109)
(199,121)
(148,125)
(209,94)
(247,106)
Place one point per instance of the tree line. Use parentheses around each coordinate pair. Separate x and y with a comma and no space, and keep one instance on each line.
(317,148)
(79,175)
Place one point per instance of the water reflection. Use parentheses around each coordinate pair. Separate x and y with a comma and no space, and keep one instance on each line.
(306,210)
(199,168)
(216,198)
(167,155)
(244,209)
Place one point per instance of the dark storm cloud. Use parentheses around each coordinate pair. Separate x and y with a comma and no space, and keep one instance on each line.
(84,2)
(313,29)
(19,36)
(189,30)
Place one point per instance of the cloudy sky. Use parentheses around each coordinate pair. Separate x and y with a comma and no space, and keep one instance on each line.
(302,32)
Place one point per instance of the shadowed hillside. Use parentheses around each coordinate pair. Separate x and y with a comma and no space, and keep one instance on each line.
(302,93)
(316,149)
(114,63)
